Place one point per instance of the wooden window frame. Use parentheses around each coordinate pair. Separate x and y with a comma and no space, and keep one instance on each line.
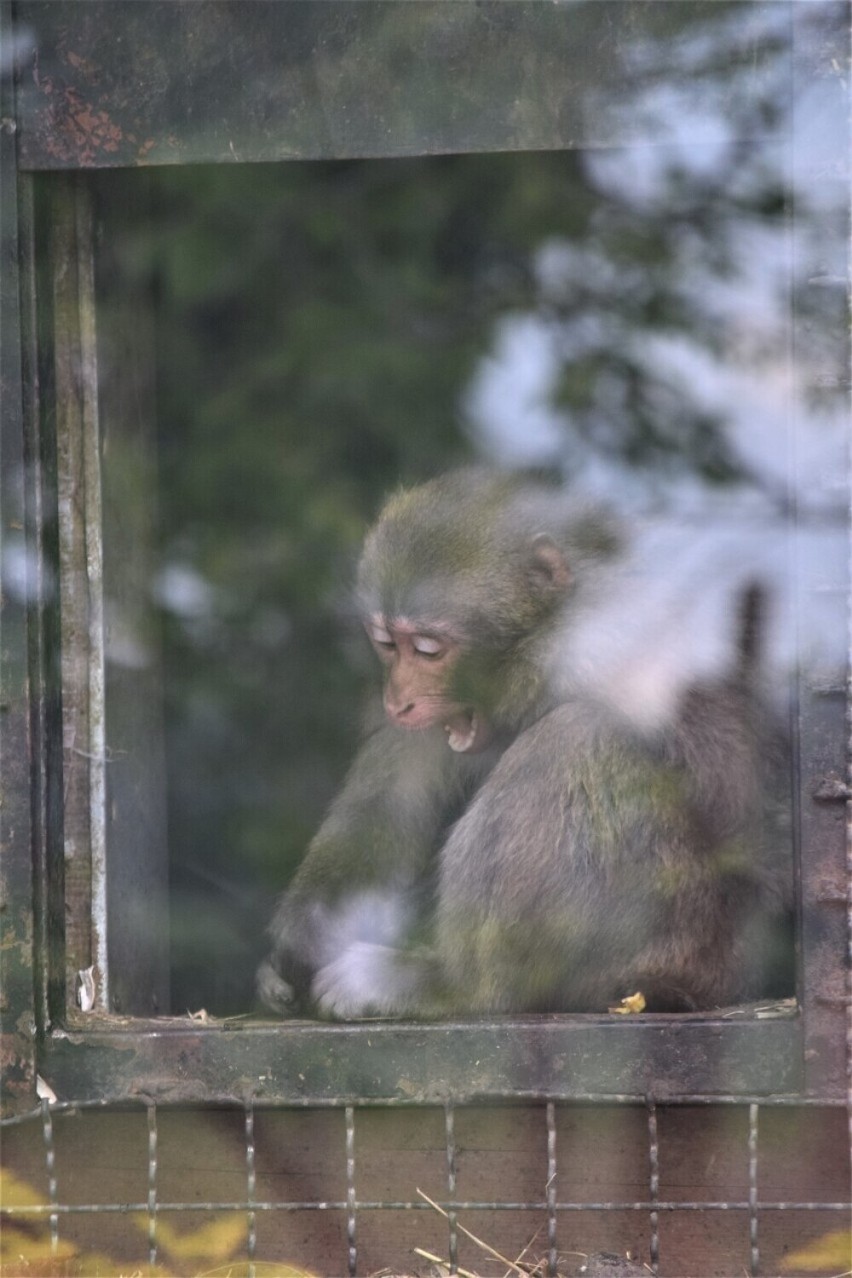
(94,1056)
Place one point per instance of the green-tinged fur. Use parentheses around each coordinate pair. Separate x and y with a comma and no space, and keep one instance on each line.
(578,859)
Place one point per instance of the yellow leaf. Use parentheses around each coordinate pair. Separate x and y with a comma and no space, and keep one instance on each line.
(633,1003)
(18,1193)
(213,1241)
(18,1244)
(831,1251)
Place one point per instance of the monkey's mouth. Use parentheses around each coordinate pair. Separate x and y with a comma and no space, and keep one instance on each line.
(466,732)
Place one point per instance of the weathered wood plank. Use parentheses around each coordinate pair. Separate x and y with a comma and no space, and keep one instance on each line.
(536,1056)
(16,896)
(105,83)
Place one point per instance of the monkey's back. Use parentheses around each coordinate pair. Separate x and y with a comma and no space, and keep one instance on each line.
(595,865)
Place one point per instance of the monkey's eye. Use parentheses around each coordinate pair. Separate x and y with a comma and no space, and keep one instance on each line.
(381,637)
(427,647)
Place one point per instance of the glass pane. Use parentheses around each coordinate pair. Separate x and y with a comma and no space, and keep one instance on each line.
(619,322)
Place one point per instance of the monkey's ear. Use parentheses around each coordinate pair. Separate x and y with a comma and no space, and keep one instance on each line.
(548,568)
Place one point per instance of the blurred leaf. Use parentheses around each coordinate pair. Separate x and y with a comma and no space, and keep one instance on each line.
(215,1240)
(831,1251)
(15,1192)
(19,1244)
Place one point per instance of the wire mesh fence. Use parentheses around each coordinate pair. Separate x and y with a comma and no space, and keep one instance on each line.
(548,1217)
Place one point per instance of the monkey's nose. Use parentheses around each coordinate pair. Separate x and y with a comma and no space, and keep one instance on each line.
(399,711)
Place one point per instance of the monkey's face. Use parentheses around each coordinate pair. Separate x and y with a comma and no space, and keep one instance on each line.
(419,663)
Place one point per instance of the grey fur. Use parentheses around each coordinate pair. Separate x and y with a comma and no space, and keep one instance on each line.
(580,858)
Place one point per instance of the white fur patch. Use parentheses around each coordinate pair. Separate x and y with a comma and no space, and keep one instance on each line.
(366,979)
(377,916)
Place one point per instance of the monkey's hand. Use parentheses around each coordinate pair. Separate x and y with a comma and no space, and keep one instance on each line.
(368,980)
(273,991)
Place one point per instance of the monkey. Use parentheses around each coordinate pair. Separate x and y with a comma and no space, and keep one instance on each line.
(506,840)
(651,862)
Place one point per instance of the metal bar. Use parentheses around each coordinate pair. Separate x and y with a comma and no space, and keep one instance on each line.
(92,538)
(752,1188)
(50,1162)
(822,706)
(849,876)
(552,1256)
(71,1209)
(453,1240)
(251,1184)
(73,595)
(350,1191)
(654,1184)
(152,1184)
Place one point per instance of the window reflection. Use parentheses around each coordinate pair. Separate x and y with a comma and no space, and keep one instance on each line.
(620,319)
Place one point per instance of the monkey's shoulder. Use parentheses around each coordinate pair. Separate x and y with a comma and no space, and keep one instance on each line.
(587,729)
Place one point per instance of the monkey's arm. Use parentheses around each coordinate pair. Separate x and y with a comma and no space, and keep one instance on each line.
(361,886)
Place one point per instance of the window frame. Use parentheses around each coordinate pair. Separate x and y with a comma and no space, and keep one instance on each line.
(94,1056)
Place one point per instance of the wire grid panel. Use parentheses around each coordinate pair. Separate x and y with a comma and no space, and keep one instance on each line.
(554,1210)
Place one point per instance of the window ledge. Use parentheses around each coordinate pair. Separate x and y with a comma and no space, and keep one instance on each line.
(182,1060)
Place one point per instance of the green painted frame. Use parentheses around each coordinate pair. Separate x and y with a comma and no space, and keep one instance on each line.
(101,83)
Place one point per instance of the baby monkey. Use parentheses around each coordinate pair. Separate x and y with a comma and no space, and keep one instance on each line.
(506,841)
